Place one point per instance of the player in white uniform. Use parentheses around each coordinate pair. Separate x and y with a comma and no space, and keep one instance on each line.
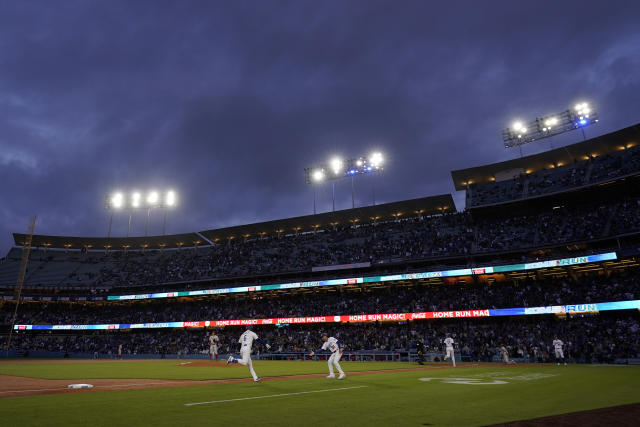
(557,347)
(448,343)
(246,342)
(332,344)
(504,354)
(214,341)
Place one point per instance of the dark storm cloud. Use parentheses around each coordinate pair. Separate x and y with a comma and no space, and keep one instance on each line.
(228,101)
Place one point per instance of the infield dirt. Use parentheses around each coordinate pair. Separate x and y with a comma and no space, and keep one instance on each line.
(12,386)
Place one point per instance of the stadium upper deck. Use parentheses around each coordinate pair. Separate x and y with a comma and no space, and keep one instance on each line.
(584,164)
(415,244)
(424,206)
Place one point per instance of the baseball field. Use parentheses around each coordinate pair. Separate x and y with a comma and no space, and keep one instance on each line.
(191,393)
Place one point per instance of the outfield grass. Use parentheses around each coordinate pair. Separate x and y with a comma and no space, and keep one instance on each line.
(507,394)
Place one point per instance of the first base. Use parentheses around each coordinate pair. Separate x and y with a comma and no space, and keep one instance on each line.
(80,385)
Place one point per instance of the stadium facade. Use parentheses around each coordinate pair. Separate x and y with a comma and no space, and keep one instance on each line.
(551,239)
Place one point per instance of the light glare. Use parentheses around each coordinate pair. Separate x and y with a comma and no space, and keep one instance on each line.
(117,200)
(376,159)
(336,165)
(582,108)
(135,199)
(318,175)
(170,200)
(152,198)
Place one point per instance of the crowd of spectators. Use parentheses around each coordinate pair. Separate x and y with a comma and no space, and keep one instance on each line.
(595,169)
(627,217)
(458,234)
(435,237)
(587,338)
(394,298)
(410,238)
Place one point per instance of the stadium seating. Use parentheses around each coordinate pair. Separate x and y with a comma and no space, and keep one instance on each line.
(588,339)
(570,225)
(463,295)
(594,170)
(458,234)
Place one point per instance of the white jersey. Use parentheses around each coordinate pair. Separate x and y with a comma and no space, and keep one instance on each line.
(448,342)
(213,339)
(503,350)
(246,339)
(557,344)
(331,344)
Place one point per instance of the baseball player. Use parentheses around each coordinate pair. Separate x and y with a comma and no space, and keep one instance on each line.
(420,350)
(557,346)
(332,344)
(246,342)
(214,342)
(448,343)
(504,355)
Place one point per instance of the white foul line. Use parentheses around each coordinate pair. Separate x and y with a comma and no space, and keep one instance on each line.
(274,395)
(97,386)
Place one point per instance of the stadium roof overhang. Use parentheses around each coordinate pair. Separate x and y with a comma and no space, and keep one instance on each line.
(113,243)
(415,207)
(569,154)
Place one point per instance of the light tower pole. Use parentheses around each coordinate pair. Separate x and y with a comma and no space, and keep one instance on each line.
(113,203)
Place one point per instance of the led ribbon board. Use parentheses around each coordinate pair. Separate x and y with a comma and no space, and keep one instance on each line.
(358,318)
(374,279)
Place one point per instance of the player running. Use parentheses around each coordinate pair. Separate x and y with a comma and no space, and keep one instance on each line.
(214,342)
(557,346)
(246,342)
(504,355)
(332,344)
(448,343)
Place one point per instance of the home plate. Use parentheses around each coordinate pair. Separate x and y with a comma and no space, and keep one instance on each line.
(80,385)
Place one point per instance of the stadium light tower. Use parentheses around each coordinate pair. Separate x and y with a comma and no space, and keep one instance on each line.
(114,202)
(137,200)
(317,176)
(152,201)
(337,168)
(169,202)
(578,117)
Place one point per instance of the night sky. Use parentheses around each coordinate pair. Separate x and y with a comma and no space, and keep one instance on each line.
(227,102)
